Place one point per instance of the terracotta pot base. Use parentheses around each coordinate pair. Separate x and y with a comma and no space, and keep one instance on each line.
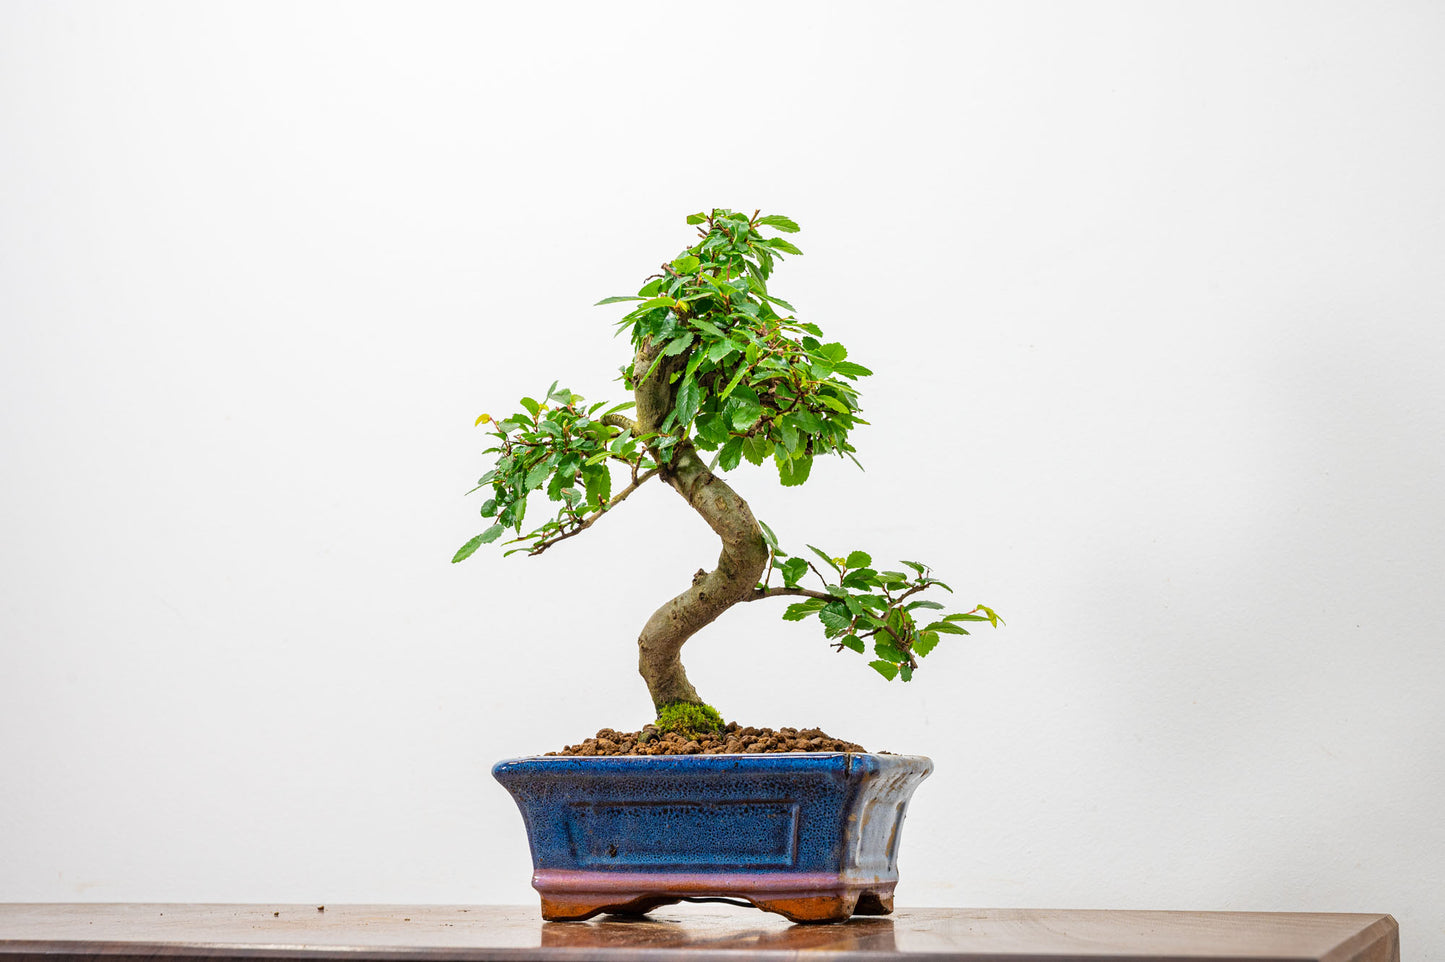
(799,897)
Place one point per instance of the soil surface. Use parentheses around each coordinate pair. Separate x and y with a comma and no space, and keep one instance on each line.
(731,740)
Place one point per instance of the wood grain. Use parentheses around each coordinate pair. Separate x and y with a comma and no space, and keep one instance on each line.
(435,933)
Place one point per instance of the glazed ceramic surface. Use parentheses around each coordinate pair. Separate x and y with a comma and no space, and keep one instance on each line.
(811,836)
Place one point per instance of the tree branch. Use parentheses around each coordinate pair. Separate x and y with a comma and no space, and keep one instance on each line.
(911,591)
(780,592)
(618,421)
(816,572)
(621,495)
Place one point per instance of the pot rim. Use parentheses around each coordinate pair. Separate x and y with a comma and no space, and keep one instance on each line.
(845,761)
(550,756)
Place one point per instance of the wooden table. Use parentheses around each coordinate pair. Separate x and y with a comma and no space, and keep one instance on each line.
(435,933)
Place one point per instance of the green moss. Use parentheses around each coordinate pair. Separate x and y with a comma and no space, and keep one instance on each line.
(688,719)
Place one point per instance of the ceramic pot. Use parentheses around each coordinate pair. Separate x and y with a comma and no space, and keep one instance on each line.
(812,836)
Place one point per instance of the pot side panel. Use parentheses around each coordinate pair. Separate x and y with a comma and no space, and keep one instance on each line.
(646,835)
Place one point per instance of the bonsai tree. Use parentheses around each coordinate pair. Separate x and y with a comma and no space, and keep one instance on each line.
(721,370)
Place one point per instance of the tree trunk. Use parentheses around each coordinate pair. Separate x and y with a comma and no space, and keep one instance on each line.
(739,566)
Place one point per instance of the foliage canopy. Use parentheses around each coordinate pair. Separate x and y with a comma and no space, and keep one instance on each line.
(720,365)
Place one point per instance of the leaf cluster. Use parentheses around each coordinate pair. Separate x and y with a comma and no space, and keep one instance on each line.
(560,447)
(751,382)
(860,605)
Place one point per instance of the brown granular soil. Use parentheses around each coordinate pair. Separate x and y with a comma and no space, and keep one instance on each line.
(731,740)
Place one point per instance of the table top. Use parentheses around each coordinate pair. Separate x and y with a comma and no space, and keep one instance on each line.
(441,933)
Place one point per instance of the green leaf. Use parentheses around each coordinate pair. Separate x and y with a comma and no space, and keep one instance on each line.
(794,472)
(713,428)
(807,420)
(731,454)
(616,300)
(793,570)
(696,218)
(732,385)
(678,344)
(801,610)
(599,483)
(532,406)
(555,486)
(706,326)
(768,535)
(917,566)
(697,358)
(779,221)
(468,549)
(686,264)
(925,642)
(536,476)
(655,302)
(964,618)
(886,669)
(924,604)
(748,308)
(826,558)
(833,352)
(689,396)
(849,369)
(618,407)
(859,559)
(835,615)
(781,303)
(788,431)
(853,642)
(755,449)
(887,650)
(860,578)
(778,244)
(745,413)
(720,350)
(905,672)
(946,628)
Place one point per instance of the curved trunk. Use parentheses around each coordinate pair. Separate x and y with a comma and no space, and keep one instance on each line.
(739,566)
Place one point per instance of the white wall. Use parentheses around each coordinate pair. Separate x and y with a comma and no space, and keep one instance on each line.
(1154,294)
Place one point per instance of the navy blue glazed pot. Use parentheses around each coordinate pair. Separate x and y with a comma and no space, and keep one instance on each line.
(812,836)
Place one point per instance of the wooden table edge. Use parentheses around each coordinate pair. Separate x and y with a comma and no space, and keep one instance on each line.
(1377,941)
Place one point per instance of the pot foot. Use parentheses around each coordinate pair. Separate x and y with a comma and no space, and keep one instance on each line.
(812,909)
(874,903)
(579,906)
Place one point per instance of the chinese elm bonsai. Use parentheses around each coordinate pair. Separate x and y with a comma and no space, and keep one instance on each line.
(721,371)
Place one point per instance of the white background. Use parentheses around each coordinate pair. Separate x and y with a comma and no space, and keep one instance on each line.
(1153,292)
